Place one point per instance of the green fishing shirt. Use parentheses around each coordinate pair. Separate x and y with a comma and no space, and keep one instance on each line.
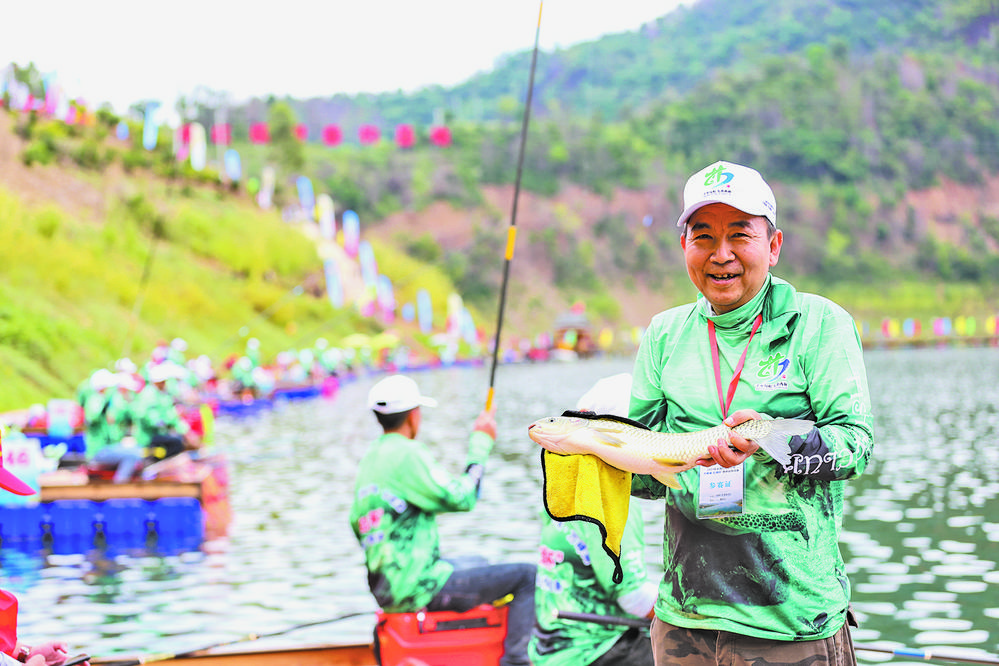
(154,413)
(98,432)
(576,575)
(399,491)
(775,571)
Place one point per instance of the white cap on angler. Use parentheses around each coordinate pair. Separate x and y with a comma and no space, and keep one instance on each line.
(396,394)
(733,184)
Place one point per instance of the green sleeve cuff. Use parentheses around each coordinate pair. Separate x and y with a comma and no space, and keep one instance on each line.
(480,445)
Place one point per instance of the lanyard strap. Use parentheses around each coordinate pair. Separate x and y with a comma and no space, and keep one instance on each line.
(726,402)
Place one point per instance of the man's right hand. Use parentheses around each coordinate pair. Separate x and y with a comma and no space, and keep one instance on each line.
(486,422)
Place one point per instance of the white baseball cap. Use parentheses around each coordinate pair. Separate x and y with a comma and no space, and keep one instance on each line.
(102,379)
(396,394)
(609,395)
(733,184)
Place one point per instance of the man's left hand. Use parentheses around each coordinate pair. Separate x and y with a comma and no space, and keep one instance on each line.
(722,452)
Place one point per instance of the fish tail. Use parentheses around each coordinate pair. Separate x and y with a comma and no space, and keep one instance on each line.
(777,442)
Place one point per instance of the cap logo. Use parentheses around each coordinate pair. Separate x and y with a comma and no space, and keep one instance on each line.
(718,176)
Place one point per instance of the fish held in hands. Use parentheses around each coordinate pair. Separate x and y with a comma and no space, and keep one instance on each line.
(636,449)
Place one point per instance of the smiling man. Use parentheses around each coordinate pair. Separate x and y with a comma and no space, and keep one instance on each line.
(752,568)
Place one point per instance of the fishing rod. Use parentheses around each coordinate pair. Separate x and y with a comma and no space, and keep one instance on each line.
(511,236)
(925,655)
(187,654)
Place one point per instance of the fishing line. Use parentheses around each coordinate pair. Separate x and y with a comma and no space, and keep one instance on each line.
(152,658)
(511,236)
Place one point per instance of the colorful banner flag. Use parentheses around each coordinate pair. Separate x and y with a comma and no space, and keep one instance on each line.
(199,146)
(181,146)
(221,134)
(306,196)
(454,307)
(369,267)
(368,134)
(326,216)
(150,126)
(53,94)
(233,165)
(334,287)
(351,232)
(266,193)
(386,299)
(332,135)
(424,311)
(405,137)
(408,312)
(259,133)
(468,332)
(440,136)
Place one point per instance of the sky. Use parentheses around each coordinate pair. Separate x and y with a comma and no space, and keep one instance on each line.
(123,51)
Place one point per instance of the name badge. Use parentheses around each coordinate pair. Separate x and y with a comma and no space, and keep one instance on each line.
(720,491)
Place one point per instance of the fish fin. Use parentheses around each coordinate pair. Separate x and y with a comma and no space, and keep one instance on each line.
(670,462)
(667,479)
(610,439)
(778,442)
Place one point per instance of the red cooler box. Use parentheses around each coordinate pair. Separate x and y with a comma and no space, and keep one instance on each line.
(444,638)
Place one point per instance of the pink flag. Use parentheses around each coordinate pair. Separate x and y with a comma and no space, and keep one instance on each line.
(368,134)
(332,135)
(405,137)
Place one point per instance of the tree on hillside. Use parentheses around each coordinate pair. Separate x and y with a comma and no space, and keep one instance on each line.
(286,150)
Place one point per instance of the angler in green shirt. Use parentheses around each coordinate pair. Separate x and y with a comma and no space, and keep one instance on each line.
(399,491)
(752,564)
(105,413)
(157,425)
(575,575)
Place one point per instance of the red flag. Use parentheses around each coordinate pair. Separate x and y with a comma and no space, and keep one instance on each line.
(259,133)
(332,135)
(405,137)
(221,134)
(301,132)
(440,136)
(368,134)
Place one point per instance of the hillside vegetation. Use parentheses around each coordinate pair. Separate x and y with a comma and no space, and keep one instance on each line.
(100,265)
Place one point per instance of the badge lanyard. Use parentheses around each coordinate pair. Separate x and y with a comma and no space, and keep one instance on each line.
(721,489)
(726,402)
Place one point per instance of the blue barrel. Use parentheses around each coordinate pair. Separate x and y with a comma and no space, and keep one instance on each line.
(178,517)
(68,526)
(21,524)
(179,524)
(127,521)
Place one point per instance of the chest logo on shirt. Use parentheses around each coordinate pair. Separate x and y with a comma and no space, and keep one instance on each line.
(773,372)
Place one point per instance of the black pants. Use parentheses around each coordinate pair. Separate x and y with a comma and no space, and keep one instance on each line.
(634,648)
(164,446)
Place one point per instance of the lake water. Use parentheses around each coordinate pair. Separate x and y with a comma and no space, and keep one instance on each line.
(921,532)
